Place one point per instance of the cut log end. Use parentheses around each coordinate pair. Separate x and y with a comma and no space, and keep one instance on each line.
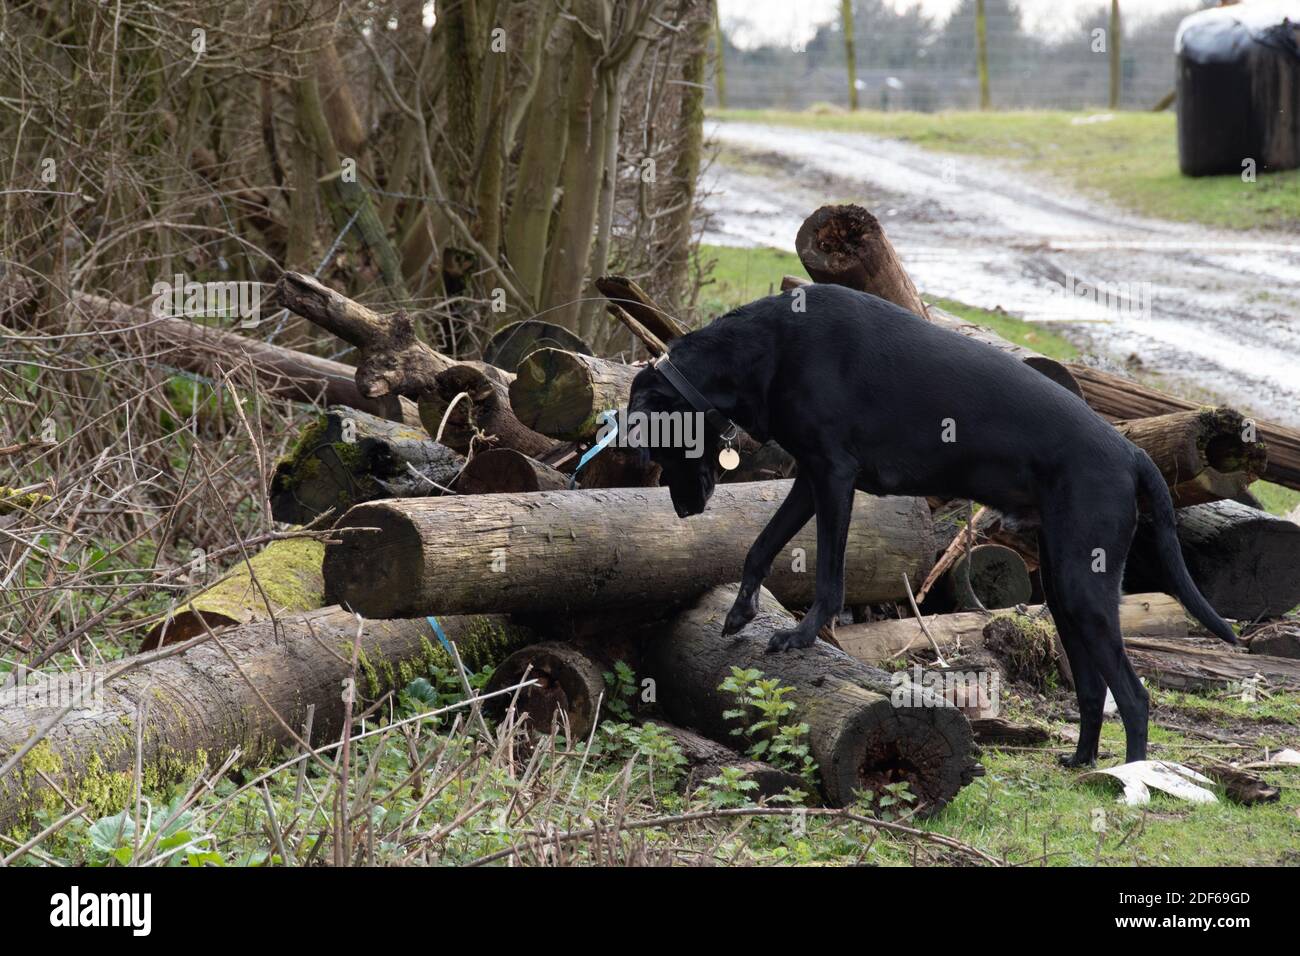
(504,470)
(994,574)
(568,693)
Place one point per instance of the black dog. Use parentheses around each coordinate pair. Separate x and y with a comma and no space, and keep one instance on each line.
(866,395)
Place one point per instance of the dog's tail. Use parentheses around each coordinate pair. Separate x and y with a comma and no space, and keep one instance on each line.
(1152,484)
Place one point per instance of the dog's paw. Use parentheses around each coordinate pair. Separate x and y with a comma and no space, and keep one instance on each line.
(1074,760)
(791,639)
(741,613)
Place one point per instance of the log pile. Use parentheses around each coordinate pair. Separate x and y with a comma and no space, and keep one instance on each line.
(460,488)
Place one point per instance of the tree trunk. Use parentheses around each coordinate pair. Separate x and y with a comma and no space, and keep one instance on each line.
(283,578)
(858,737)
(506,471)
(485,412)
(1118,398)
(562,394)
(1201,455)
(1140,615)
(582,550)
(280,371)
(566,264)
(200,707)
(1245,561)
(346,457)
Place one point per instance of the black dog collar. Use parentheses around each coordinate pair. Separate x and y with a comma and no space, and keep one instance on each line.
(724,425)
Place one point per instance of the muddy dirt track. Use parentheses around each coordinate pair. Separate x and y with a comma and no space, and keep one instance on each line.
(1215,314)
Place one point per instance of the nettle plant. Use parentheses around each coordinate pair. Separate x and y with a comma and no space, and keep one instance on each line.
(767,723)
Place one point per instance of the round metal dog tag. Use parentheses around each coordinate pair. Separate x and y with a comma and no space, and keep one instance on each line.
(729,458)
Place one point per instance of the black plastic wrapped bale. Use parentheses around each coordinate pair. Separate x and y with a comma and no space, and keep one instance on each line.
(1239,88)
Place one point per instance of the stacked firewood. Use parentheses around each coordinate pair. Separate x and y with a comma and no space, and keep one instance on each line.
(456,505)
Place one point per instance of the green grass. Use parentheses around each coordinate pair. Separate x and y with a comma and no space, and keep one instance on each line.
(1276,499)
(1132,159)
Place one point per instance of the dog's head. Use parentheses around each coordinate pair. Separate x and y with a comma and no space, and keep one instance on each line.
(691,473)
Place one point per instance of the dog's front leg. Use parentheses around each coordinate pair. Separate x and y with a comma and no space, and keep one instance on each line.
(792,515)
(833,499)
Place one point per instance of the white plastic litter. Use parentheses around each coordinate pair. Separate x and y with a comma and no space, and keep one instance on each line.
(1140,776)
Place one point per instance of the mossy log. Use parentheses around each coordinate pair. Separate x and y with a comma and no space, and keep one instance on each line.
(1203,455)
(199,707)
(282,578)
(860,738)
(570,550)
(1245,561)
(282,372)
(485,412)
(504,470)
(346,457)
(11,500)
(1119,399)
(1140,615)
(562,394)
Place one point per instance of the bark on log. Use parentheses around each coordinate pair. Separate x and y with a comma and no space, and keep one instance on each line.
(1118,398)
(200,707)
(282,372)
(282,578)
(998,730)
(997,577)
(486,410)
(569,550)
(1280,639)
(633,299)
(562,394)
(513,343)
(393,360)
(1180,666)
(346,457)
(706,759)
(1140,616)
(1201,454)
(846,245)
(504,470)
(1245,561)
(858,737)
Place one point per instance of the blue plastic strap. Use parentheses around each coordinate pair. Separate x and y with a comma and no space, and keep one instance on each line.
(433,623)
(611,418)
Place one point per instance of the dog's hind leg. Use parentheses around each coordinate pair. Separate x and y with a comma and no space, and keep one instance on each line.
(1089,688)
(1087,547)
(792,515)
(833,496)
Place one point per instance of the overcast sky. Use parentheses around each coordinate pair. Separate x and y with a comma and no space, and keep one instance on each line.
(757,22)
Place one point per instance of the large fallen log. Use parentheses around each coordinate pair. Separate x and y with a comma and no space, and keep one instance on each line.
(857,735)
(201,349)
(1245,561)
(346,457)
(1140,615)
(1203,455)
(1176,666)
(569,550)
(846,245)
(200,705)
(1118,398)
(282,578)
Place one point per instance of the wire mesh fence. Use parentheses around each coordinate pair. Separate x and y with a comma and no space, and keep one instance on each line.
(909,61)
